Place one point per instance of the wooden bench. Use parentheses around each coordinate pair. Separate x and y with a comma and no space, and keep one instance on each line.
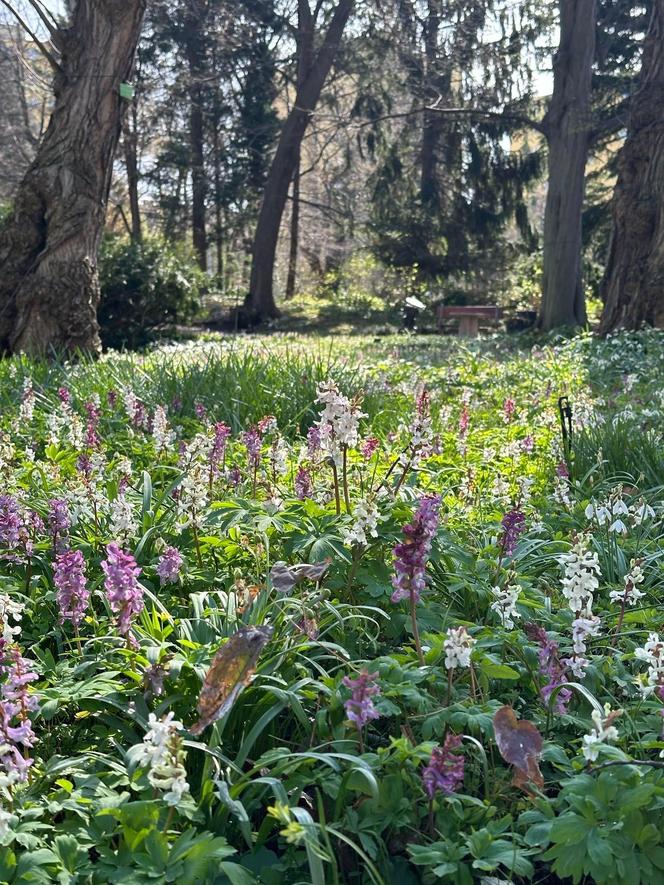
(469,316)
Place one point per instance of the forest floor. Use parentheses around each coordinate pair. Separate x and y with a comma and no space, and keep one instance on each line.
(339,609)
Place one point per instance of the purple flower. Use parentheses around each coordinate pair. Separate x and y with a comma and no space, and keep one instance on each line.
(528,444)
(253,441)
(16,704)
(360,707)
(303,485)
(64,395)
(514,525)
(411,555)
(169,566)
(313,441)
(551,667)
(69,578)
(221,433)
(124,593)
(91,435)
(200,410)
(59,523)
(445,769)
(11,523)
(112,398)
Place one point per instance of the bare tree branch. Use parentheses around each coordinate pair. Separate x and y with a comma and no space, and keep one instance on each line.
(45,52)
(49,22)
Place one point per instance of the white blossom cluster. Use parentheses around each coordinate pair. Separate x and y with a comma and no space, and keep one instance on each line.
(162,751)
(581,578)
(365,525)
(27,408)
(163,434)
(193,490)
(604,732)
(631,594)
(339,421)
(616,514)
(458,648)
(123,524)
(505,602)
(278,457)
(10,608)
(580,582)
(653,654)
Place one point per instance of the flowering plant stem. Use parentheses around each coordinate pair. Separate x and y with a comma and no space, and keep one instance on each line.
(337,497)
(345,478)
(416,631)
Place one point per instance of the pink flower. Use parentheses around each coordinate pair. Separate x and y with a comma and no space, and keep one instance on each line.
(369,446)
(169,566)
(124,593)
(359,707)
(69,578)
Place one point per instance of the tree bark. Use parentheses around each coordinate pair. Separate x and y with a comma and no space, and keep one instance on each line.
(49,289)
(633,284)
(130,142)
(260,301)
(195,53)
(293,247)
(432,122)
(568,129)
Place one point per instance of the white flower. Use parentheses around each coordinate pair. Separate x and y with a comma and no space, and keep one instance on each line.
(581,575)
(162,434)
(5,818)
(583,628)
(631,594)
(505,604)
(365,514)
(10,608)
(602,733)
(653,654)
(123,525)
(162,751)
(642,511)
(458,648)
(339,420)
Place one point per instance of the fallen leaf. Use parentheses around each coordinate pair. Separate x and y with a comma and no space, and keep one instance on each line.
(520,744)
(231,669)
(284,577)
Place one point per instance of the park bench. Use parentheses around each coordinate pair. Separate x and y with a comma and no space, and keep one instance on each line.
(469,316)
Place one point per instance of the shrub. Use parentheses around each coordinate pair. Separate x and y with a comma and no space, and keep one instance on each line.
(144,287)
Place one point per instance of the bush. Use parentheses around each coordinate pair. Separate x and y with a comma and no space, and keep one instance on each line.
(144,288)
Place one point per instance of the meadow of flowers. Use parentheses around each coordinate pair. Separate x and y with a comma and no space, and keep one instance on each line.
(372,613)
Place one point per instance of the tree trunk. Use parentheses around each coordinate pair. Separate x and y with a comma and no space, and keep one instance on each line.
(432,122)
(130,142)
(294,235)
(633,285)
(568,127)
(195,53)
(49,289)
(260,299)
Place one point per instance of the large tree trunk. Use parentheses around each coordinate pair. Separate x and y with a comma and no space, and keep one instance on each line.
(260,299)
(49,289)
(633,285)
(568,127)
